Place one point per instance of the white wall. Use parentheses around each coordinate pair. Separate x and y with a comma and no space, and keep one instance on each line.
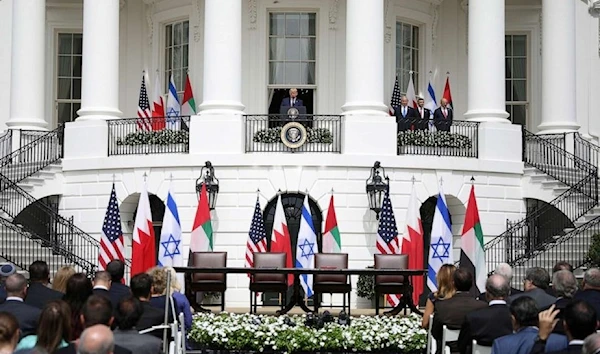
(5,60)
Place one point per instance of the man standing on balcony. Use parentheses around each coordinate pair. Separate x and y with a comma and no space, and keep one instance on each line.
(293,100)
(423,114)
(405,115)
(443,116)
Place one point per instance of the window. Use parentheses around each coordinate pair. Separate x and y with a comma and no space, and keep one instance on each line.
(407,54)
(292,47)
(177,37)
(516,78)
(68,76)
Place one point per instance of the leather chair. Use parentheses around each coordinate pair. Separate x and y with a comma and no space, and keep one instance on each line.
(390,284)
(330,283)
(215,282)
(268,282)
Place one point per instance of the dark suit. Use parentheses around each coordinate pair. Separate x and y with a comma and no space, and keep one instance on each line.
(485,325)
(539,348)
(136,342)
(512,292)
(405,119)
(152,316)
(287,102)
(117,292)
(103,293)
(452,313)
(523,340)
(541,298)
(560,304)
(592,297)
(443,123)
(38,295)
(2,294)
(71,349)
(27,315)
(423,116)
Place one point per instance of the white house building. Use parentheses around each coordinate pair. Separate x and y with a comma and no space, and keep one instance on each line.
(511,64)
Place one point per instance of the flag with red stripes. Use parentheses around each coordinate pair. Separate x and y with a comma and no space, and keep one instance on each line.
(144,112)
(387,238)
(111,240)
(257,236)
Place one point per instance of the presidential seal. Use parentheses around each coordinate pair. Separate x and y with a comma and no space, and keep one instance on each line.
(293,135)
(293,113)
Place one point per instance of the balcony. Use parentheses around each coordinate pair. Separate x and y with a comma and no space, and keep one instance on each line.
(426,137)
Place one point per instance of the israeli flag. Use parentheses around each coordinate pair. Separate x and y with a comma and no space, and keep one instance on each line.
(173,106)
(430,101)
(306,248)
(440,249)
(170,248)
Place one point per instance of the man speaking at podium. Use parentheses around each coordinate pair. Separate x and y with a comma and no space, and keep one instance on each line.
(293,100)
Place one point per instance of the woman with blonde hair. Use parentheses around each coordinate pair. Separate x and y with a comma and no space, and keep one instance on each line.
(62,277)
(159,288)
(446,290)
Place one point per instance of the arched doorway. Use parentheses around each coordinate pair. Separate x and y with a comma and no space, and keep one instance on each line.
(39,221)
(292,206)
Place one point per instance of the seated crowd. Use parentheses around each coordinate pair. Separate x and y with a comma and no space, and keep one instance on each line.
(557,316)
(77,314)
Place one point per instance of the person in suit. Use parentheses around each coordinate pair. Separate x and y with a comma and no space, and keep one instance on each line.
(141,287)
(6,270)
(9,335)
(505,270)
(452,312)
(27,315)
(565,287)
(293,100)
(488,323)
(405,115)
(579,321)
(443,116)
(117,290)
(97,310)
(591,344)
(423,115)
(129,311)
(560,265)
(524,315)
(535,283)
(591,289)
(102,284)
(39,294)
(97,339)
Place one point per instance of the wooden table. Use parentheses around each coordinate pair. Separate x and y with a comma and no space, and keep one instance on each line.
(405,300)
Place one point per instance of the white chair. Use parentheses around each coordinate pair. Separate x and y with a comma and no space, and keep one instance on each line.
(449,335)
(431,343)
(481,349)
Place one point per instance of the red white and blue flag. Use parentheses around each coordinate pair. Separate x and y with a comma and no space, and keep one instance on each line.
(111,240)
(257,236)
(144,112)
(387,238)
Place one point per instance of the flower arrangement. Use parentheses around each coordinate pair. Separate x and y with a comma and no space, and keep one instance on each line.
(434,139)
(366,286)
(288,334)
(273,135)
(158,137)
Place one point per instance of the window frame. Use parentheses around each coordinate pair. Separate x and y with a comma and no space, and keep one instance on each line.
(166,72)
(73,102)
(420,50)
(527,79)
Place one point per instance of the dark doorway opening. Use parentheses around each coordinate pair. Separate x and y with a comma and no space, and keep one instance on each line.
(37,219)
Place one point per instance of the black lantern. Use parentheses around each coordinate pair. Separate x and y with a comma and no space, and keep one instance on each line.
(377,187)
(207,176)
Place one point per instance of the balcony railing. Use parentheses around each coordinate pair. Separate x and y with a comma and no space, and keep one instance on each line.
(312,134)
(158,135)
(427,137)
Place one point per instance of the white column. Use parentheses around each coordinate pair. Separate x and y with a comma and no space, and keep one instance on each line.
(100,66)
(558,67)
(219,127)
(364,58)
(27,74)
(222,55)
(486,91)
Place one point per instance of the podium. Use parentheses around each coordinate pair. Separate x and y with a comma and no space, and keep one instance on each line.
(292,114)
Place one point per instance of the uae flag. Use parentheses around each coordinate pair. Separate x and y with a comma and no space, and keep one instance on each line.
(188,106)
(447,93)
(412,243)
(280,238)
(202,233)
(472,256)
(331,238)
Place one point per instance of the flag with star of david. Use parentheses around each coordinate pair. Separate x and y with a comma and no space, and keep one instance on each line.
(440,249)
(306,247)
(170,252)
(387,237)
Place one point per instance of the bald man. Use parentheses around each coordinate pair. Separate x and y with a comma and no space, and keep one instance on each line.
(27,315)
(442,117)
(96,339)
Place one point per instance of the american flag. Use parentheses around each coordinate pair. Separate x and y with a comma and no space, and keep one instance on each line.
(257,241)
(111,241)
(387,237)
(144,112)
(396,96)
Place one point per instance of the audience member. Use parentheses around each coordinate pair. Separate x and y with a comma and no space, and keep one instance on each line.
(9,332)
(27,316)
(54,328)
(79,288)
(524,315)
(591,289)
(97,339)
(446,290)
(591,344)
(6,270)
(562,265)
(141,287)
(565,286)
(505,270)
(39,293)
(535,283)
(579,322)
(183,305)
(117,290)
(452,312)
(158,297)
(97,310)
(488,323)
(129,311)
(62,276)
(102,284)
